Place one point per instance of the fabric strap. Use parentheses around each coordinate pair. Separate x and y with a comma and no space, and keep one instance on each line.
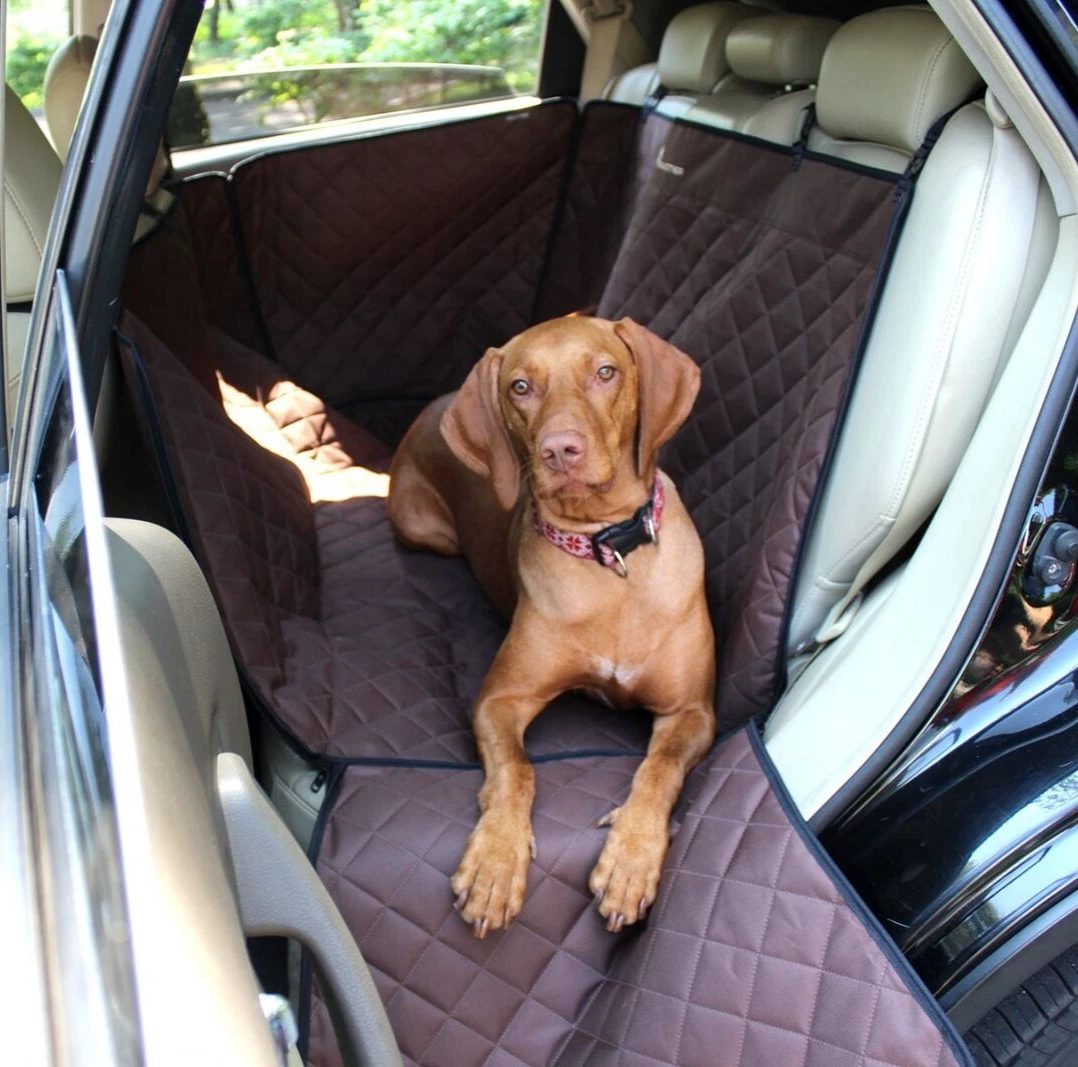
(614,45)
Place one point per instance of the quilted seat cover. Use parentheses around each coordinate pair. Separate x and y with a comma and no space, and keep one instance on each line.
(756,953)
(763,272)
(359,648)
(370,656)
(383,263)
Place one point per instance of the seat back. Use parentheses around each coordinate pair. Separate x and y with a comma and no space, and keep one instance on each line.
(962,277)
(31,182)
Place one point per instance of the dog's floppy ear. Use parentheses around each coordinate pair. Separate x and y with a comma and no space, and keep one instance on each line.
(669,381)
(473,428)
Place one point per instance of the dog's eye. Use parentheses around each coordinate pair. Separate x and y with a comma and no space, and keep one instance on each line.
(605,373)
(520,387)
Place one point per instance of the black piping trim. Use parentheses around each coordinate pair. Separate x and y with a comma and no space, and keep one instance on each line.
(575,137)
(909,976)
(474,765)
(306,969)
(243,258)
(781,149)
(146,403)
(557,101)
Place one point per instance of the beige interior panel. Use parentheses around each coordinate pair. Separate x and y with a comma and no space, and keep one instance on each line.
(198,994)
(280,894)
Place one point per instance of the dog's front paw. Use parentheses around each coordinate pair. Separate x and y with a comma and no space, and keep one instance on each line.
(493,872)
(625,881)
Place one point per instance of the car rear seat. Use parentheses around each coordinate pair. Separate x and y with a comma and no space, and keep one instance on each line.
(372,655)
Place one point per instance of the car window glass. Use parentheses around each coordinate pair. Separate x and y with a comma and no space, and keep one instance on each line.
(259,67)
(35,30)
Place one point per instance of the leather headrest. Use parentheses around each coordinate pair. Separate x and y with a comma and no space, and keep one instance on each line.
(65,85)
(31,182)
(66,78)
(889,75)
(692,58)
(779,49)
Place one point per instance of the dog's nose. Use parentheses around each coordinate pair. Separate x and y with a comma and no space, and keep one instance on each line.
(562,450)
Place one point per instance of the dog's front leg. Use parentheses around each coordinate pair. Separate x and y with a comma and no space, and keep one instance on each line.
(626,878)
(491,878)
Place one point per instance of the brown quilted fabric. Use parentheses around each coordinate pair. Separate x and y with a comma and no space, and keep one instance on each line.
(751,957)
(217,258)
(390,263)
(762,273)
(373,654)
(360,647)
(597,200)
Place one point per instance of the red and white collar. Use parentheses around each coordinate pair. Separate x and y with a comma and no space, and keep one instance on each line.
(611,544)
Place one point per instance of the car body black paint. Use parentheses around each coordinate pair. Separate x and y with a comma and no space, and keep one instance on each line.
(973,832)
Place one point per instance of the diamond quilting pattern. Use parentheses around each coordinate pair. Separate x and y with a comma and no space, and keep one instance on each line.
(381,275)
(763,275)
(587,237)
(216,256)
(361,648)
(393,840)
(750,949)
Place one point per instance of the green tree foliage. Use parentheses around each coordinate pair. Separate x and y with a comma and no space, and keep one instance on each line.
(26,63)
(276,33)
(499,33)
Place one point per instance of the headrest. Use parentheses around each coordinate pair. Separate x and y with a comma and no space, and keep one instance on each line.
(65,85)
(692,58)
(66,78)
(779,49)
(889,75)
(31,182)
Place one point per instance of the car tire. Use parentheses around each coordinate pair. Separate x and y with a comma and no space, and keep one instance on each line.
(1037,1025)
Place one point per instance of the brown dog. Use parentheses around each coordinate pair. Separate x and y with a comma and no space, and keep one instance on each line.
(574,410)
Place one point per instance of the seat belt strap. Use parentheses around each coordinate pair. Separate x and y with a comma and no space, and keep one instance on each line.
(614,45)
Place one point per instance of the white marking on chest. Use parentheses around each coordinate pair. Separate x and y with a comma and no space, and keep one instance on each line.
(608,670)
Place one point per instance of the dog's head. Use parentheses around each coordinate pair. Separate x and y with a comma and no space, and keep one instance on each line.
(581,406)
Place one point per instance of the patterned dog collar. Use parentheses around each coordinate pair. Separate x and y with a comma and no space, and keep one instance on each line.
(611,544)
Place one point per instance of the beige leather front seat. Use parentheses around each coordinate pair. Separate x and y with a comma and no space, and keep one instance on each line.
(31,182)
(66,78)
(692,58)
(970,259)
(774,62)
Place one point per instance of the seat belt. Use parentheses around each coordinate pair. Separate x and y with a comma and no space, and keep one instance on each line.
(614,45)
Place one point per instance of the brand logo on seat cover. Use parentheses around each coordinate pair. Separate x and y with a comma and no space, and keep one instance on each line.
(670,168)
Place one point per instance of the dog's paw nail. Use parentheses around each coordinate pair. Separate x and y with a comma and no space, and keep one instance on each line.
(643,906)
(462,899)
(599,895)
(607,819)
(534,847)
(481,928)
(615,922)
